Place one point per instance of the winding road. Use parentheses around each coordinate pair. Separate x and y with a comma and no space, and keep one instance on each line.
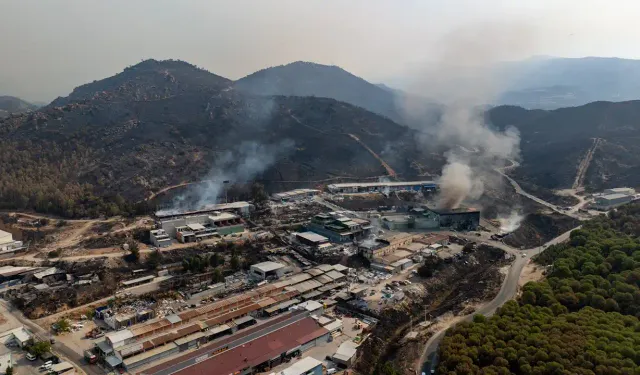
(507,291)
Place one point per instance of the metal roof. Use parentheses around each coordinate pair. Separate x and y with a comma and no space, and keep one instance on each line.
(313,237)
(302,367)
(119,336)
(335,275)
(153,352)
(380,184)
(339,267)
(139,279)
(173,318)
(268,266)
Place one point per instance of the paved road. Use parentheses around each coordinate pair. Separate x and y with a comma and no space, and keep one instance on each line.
(507,291)
(70,354)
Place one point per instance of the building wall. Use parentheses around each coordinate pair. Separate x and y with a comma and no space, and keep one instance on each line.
(223,231)
(609,203)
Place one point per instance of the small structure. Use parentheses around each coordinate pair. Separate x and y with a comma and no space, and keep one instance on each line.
(20,336)
(7,244)
(345,353)
(311,239)
(305,366)
(267,270)
(159,238)
(622,190)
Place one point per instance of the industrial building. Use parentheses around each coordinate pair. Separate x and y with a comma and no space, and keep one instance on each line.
(159,238)
(430,219)
(395,253)
(142,344)
(305,366)
(254,350)
(197,227)
(7,244)
(370,187)
(311,239)
(267,270)
(238,208)
(609,201)
(622,190)
(339,228)
(294,195)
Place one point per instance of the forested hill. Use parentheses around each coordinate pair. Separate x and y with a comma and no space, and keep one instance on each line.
(583,319)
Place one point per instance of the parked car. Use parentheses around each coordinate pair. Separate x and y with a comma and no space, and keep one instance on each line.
(31,357)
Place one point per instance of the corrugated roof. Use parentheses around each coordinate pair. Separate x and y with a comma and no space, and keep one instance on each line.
(335,275)
(324,267)
(323,279)
(259,350)
(339,267)
(153,352)
(314,272)
(313,237)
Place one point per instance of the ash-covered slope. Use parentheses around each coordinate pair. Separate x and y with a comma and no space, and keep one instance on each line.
(554,142)
(160,123)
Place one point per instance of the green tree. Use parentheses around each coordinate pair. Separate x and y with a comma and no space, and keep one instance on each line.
(40,347)
(9,371)
(63,325)
(217,276)
(235,263)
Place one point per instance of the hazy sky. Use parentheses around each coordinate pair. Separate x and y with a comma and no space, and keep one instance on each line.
(50,46)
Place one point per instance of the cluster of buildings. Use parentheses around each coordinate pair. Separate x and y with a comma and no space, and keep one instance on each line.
(193,226)
(241,340)
(381,187)
(337,227)
(612,198)
(433,219)
(399,251)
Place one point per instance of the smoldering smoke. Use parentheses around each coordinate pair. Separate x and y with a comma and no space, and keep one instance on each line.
(237,166)
(464,79)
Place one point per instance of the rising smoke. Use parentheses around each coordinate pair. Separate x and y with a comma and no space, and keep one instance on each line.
(237,166)
(464,79)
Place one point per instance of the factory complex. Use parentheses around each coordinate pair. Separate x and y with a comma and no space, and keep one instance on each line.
(238,327)
(370,187)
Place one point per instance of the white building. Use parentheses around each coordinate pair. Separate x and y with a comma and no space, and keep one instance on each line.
(305,366)
(159,238)
(265,270)
(622,190)
(7,243)
(19,336)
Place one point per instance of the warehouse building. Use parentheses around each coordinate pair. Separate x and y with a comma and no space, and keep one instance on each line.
(370,187)
(311,239)
(192,228)
(609,201)
(622,190)
(305,366)
(294,195)
(239,208)
(267,270)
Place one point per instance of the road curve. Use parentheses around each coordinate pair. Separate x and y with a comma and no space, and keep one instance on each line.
(507,291)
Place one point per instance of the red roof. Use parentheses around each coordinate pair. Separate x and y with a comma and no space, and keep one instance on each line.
(259,350)
(216,344)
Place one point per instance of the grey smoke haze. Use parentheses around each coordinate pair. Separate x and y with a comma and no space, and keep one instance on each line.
(510,222)
(237,166)
(50,47)
(464,81)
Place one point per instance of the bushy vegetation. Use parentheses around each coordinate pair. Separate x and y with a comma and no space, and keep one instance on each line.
(583,319)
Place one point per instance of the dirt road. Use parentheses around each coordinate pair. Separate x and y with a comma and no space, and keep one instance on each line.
(386,166)
(584,166)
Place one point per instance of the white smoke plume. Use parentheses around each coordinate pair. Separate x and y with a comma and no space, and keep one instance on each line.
(510,223)
(463,80)
(237,166)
